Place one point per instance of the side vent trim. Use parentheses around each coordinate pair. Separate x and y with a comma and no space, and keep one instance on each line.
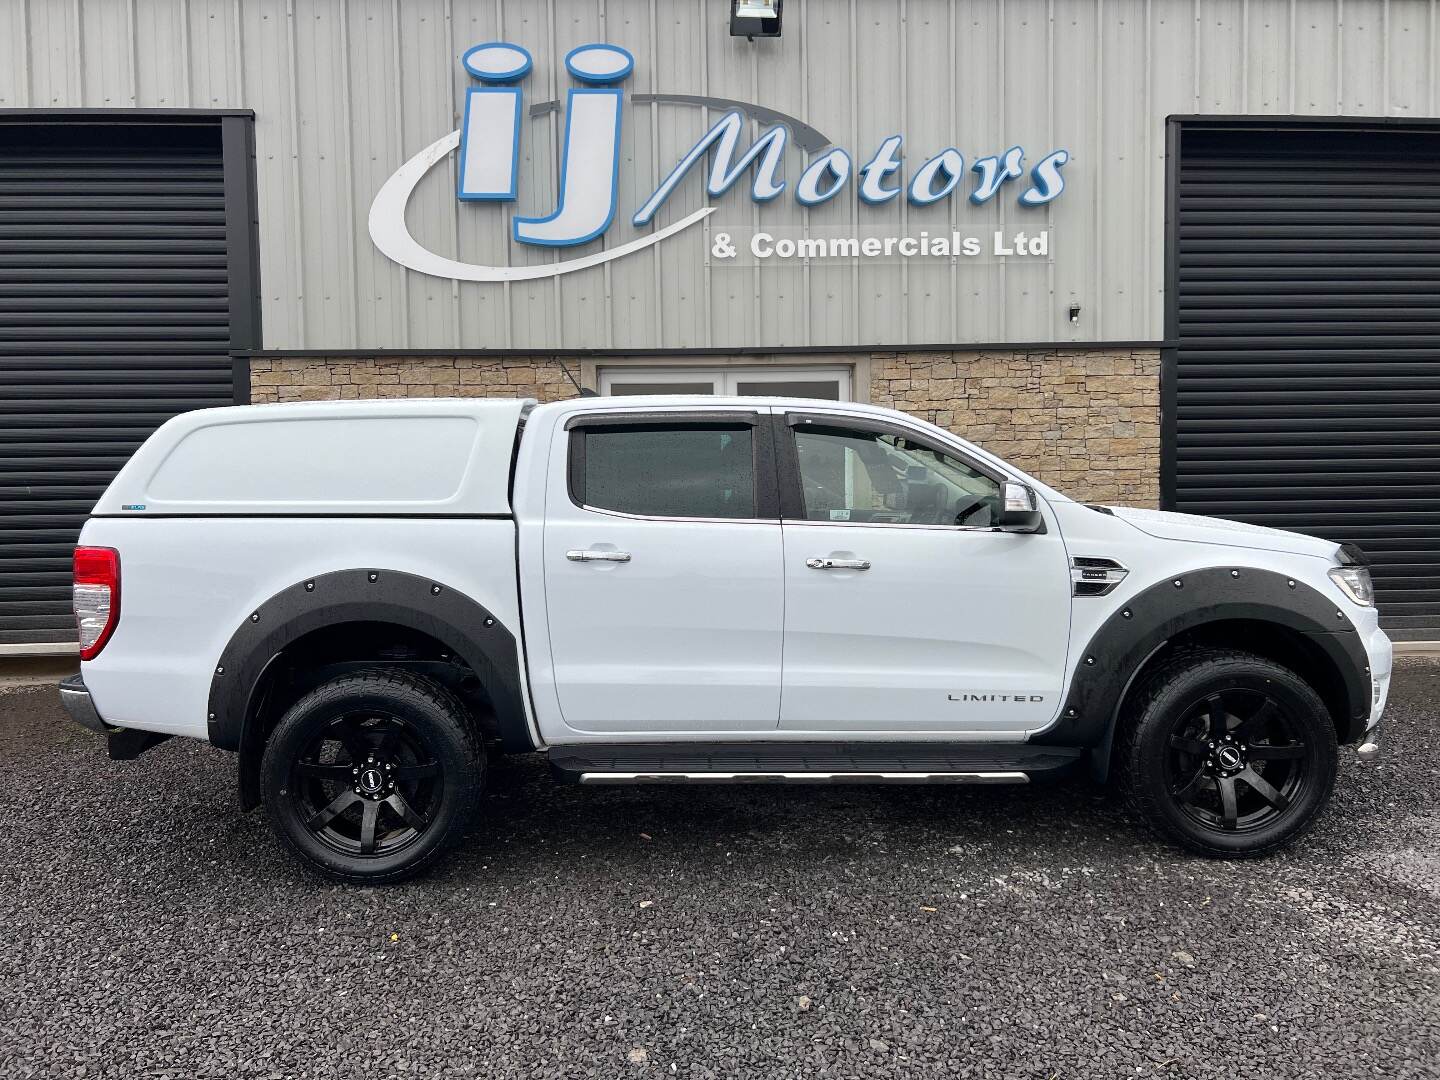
(1090,576)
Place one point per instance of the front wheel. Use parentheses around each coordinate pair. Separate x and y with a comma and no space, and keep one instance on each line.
(369,777)
(1227,752)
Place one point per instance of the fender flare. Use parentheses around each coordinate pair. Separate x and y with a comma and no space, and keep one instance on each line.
(370,595)
(1140,626)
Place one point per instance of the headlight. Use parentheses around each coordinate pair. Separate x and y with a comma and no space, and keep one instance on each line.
(1354,582)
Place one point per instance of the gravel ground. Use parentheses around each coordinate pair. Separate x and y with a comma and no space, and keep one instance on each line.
(150,930)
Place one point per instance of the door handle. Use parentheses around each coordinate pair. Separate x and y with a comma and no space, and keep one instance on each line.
(598,556)
(838,564)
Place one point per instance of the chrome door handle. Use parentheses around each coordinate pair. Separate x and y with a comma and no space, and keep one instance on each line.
(838,564)
(598,556)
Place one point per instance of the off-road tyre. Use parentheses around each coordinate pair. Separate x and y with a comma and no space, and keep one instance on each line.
(370,777)
(1274,742)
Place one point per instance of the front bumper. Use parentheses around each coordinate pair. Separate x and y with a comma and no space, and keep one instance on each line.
(80,707)
(1380,653)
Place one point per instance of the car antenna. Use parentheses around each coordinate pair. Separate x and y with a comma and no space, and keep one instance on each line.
(584,391)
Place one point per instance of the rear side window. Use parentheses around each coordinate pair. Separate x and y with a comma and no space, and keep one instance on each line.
(693,470)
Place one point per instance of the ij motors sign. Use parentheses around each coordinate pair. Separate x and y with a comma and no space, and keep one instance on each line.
(488,142)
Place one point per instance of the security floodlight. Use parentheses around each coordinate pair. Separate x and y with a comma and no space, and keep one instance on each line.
(755,18)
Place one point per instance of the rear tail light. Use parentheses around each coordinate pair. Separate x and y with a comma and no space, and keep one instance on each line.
(97,597)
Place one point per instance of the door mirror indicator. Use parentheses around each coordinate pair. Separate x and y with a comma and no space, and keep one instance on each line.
(1020,512)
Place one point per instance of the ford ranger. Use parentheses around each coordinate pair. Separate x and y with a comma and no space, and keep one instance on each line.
(364,600)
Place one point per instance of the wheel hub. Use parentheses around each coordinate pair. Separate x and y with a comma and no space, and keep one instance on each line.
(372,781)
(1229,757)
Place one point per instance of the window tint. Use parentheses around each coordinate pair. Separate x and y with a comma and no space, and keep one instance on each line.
(866,476)
(681,470)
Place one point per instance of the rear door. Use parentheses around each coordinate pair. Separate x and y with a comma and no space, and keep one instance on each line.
(905,610)
(663,575)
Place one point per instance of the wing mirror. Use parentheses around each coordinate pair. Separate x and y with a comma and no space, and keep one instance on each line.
(1021,510)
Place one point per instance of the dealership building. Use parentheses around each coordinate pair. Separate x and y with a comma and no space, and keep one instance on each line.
(1172,253)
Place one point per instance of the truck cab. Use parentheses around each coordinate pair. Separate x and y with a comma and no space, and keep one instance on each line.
(365,600)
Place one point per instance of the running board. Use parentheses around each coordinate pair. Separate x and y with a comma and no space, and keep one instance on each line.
(810,763)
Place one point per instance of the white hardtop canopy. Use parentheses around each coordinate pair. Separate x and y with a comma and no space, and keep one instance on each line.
(409,456)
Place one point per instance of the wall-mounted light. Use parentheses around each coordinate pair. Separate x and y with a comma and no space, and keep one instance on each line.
(1074,314)
(755,18)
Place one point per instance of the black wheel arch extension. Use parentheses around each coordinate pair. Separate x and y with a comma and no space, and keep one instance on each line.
(371,596)
(1188,603)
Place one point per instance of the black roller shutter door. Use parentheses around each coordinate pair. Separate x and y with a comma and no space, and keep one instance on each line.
(115,314)
(1305,313)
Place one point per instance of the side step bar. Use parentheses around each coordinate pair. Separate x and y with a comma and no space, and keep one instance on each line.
(804,778)
(773,762)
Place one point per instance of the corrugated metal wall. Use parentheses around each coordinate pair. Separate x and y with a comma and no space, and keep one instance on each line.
(346,91)
(115,271)
(1307,373)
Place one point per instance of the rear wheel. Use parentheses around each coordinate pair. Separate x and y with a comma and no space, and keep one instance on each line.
(1228,753)
(370,777)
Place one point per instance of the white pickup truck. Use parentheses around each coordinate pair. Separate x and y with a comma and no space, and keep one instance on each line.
(364,599)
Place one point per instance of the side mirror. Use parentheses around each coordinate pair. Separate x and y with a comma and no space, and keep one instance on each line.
(1021,511)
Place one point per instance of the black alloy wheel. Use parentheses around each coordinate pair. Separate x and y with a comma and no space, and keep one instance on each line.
(1236,761)
(367,785)
(1227,752)
(369,777)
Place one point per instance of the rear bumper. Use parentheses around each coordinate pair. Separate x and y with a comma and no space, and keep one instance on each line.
(80,707)
(122,744)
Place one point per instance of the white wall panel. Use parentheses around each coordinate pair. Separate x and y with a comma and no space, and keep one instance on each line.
(344,91)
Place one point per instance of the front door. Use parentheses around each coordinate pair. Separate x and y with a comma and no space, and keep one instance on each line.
(905,611)
(663,578)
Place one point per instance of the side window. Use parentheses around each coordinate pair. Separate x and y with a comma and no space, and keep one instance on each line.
(666,470)
(869,476)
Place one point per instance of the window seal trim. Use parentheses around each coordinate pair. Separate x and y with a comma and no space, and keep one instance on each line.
(688,520)
(620,418)
(792,493)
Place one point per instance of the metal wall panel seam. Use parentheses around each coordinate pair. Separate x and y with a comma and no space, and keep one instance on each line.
(348,135)
(1050,301)
(1430,48)
(133,51)
(705,119)
(1385,57)
(451,56)
(609,281)
(239,29)
(854,213)
(907,309)
(508,317)
(1293,51)
(806,320)
(1194,53)
(556,134)
(954,126)
(187,62)
(757,313)
(1097,225)
(1148,122)
(26,46)
(1339,57)
(1002,16)
(656,268)
(397,55)
(1245,55)
(77,68)
(297,225)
